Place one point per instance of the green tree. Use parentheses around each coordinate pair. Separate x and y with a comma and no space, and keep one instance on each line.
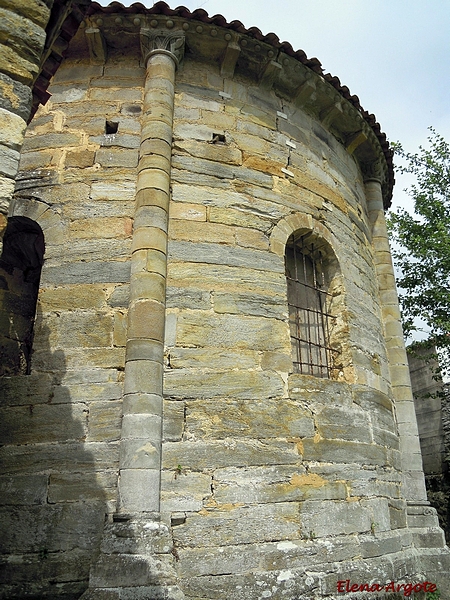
(421,248)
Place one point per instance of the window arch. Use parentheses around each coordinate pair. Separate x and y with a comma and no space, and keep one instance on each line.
(312,277)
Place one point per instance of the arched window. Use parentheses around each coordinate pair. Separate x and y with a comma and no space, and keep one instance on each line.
(309,271)
(20,271)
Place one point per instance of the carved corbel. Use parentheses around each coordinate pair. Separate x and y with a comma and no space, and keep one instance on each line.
(162,42)
(96,44)
(306,92)
(330,113)
(270,75)
(230,58)
(355,141)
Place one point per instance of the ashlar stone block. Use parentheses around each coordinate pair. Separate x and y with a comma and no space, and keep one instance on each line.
(218,419)
(236,524)
(199,455)
(232,331)
(239,384)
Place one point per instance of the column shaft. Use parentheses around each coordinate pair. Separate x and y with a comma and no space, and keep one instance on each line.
(413,478)
(140,449)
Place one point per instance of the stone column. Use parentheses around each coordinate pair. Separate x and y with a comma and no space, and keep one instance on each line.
(413,478)
(140,452)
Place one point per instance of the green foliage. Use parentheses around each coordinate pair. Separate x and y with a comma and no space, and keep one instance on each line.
(421,248)
(433,595)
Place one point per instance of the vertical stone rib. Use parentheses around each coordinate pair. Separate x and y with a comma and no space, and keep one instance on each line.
(140,448)
(413,478)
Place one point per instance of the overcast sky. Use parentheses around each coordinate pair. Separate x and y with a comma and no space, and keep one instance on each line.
(393,54)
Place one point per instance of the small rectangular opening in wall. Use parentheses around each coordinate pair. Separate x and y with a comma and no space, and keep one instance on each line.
(111,127)
(218,138)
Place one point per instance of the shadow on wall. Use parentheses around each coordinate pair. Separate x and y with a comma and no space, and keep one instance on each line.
(20,272)
(52,498)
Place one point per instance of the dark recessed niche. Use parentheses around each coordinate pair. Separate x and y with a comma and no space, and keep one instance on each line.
(218,138)
(111,127)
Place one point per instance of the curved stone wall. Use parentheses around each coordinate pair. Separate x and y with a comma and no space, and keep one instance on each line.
(169,169)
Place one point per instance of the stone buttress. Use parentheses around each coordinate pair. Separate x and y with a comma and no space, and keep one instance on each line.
(191,180)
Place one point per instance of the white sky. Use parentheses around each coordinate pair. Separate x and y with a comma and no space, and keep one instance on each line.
(393,54)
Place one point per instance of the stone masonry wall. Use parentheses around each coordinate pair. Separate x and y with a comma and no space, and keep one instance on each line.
(431,404)
(61,424)
(264,469)
(274,484)
(22,39)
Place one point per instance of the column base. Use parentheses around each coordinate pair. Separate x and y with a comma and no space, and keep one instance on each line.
(136,560)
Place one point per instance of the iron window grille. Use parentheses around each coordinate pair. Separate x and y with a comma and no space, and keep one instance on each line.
(309,301)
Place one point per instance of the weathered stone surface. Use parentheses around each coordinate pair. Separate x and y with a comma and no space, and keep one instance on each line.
(16,66)
(12,129)
(43,527)
(104,421)
(238,524)
(101,227)
(215,254)
(72,297)
(184,491)
(113,157)
(186,383)
(186,298)
(80,159)
(343,423)
(136,536)
(246,304)
(185,358)
(72,487)
(336,451)
(119,297)
(199,455)
(25,36)
(139,490)
(51,140)
(343,517)
(89,272)
(173,422)
(9,162)
(26,390)
(120,190)
(42,423)
(261,485)
(186,211)
(231,331)
(72,456)
(15,97)
(227,418)
(24,489)
(76,330)
(225,278)
(278,583)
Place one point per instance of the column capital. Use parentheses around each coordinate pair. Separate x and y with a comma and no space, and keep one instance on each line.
(155,41)
(372,171)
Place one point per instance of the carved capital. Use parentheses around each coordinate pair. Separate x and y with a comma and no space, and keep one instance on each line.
(372,171)
(162,42)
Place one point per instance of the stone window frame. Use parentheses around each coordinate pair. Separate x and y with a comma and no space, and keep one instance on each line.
(302,224)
